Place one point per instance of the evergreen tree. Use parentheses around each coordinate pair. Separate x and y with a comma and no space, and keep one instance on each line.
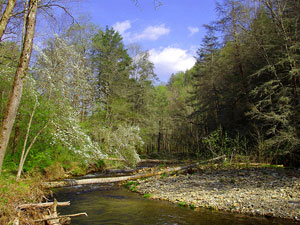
(112,65)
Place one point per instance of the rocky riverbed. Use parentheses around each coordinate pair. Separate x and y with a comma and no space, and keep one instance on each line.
(271,192)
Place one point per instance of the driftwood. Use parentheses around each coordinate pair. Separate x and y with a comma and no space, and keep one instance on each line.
(53,218)
(42,205)
(159,161)
(60,217)
(16,221)
(124,178)
(52,213)
(150,160)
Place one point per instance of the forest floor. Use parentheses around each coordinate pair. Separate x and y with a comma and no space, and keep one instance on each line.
(270,192)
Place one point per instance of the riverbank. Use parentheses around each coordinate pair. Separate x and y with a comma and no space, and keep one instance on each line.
(271,192)
(12,194)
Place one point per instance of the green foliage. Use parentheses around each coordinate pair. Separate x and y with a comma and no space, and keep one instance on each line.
(192,206)
(27,190)
(147,195)
(113,64)
(242,96)
(121,141)
(98,98)
(181,204)
(219,143)
(164,175)
(131,185)
(161,165)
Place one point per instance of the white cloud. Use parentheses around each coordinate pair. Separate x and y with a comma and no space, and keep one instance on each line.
(151,33)
(122,27)
(193,30)
(171,60)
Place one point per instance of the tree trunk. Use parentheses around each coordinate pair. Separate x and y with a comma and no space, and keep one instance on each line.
(22,160)
(6,16)
(16,137)
(16,91)
(23,157)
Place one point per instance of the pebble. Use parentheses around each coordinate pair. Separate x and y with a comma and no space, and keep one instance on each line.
(267,192)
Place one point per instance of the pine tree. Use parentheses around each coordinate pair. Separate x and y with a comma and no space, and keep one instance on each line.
(112,65)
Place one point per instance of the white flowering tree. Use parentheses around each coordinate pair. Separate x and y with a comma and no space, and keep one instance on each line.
(67,132)
(64,77)
(122,141)
(64,74)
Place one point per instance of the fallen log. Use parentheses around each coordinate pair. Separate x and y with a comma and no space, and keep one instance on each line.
(151,160)
(66,183)
(158,161)
(42,205)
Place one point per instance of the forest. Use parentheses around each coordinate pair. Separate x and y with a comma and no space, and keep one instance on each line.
(81,95)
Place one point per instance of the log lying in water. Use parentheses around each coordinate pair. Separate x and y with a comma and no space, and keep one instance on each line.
(66,183)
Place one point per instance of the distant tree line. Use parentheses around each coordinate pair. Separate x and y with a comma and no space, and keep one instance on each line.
(86,96)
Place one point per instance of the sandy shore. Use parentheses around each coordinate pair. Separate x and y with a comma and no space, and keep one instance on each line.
(273,192)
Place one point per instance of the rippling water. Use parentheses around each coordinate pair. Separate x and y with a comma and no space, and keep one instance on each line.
(111,204)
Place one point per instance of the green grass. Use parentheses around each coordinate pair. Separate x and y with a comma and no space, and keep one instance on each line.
(147,195)
(12,193)
(131,185)
(182,204)
(132,188)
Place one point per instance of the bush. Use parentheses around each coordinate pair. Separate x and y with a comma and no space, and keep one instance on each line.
(220,143)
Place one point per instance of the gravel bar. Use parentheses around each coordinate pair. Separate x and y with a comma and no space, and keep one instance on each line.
(271,192)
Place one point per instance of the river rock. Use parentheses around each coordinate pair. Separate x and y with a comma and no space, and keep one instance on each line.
(255,191)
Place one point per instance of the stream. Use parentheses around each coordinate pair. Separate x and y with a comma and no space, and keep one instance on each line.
(113,204)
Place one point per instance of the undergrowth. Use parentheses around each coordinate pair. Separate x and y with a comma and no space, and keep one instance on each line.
(28,190)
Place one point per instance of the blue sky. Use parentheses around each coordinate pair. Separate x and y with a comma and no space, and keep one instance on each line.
(172,33)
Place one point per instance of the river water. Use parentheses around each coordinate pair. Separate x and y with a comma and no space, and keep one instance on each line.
(112,204)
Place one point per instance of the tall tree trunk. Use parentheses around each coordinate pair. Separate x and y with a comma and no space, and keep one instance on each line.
(24,154)
(22,160)
(6,16)
(16,91)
